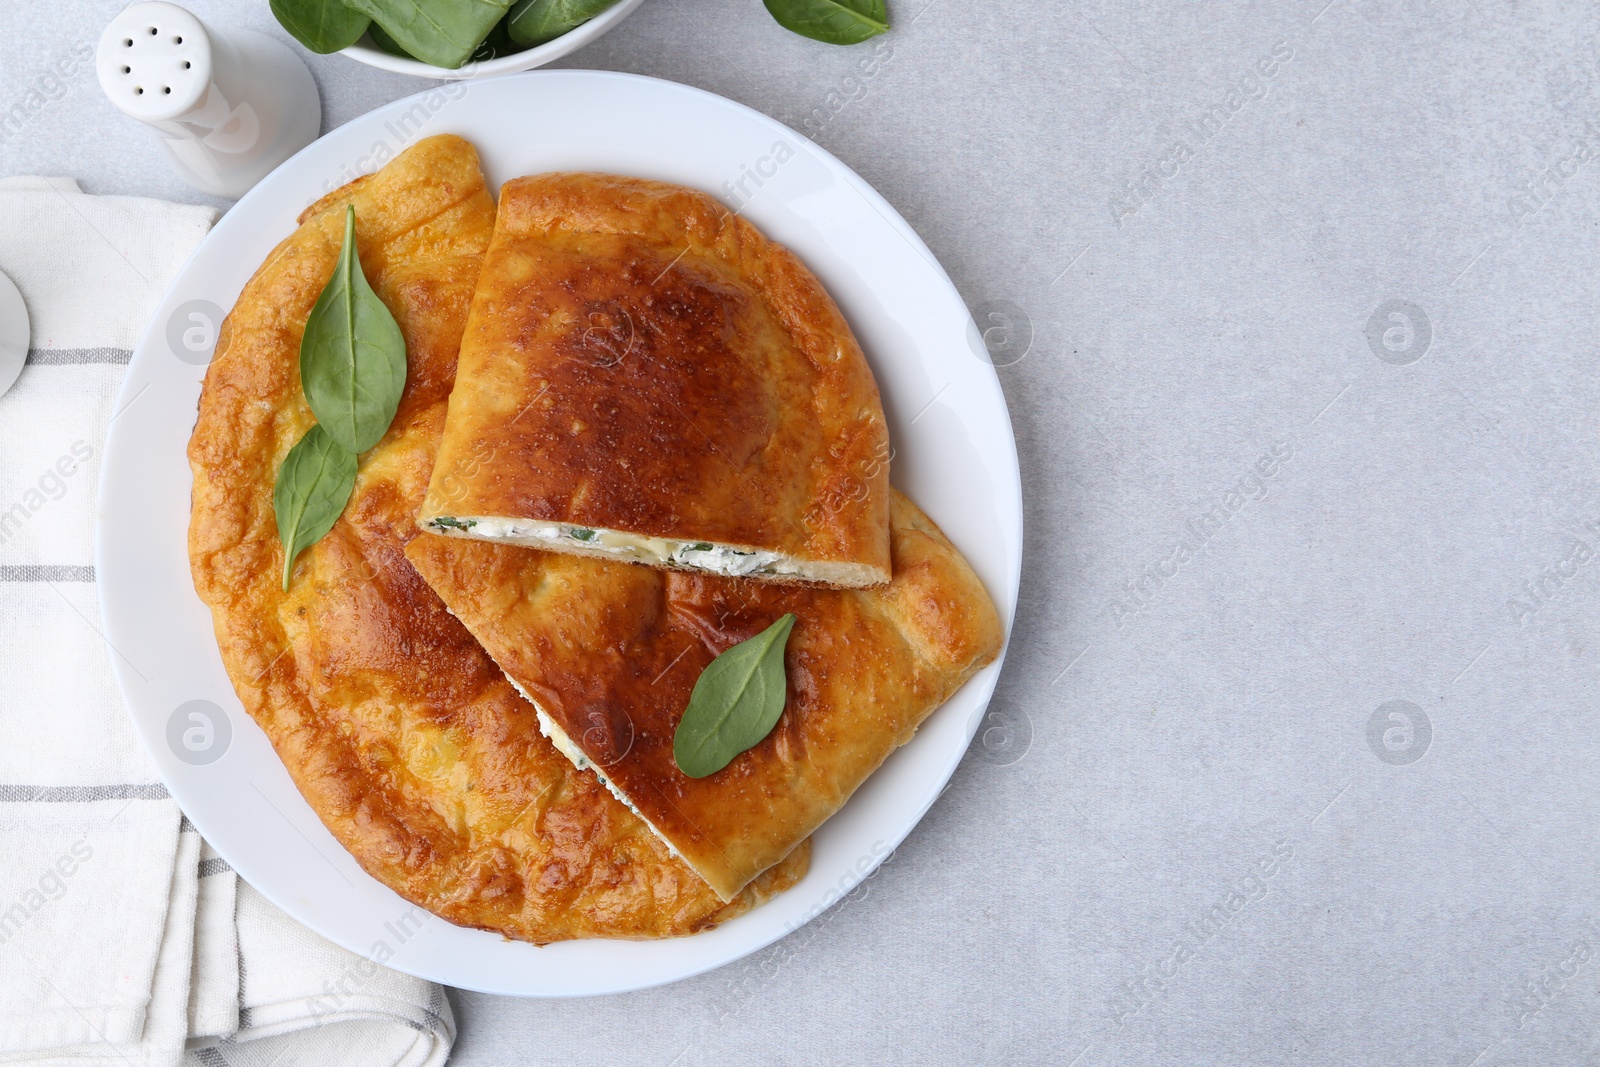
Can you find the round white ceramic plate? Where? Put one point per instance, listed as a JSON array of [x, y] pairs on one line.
[[14, 333], [954, 454], [364, 51]]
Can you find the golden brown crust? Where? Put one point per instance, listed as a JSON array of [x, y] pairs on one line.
[[639, 359], [395, 725], [611, 652]]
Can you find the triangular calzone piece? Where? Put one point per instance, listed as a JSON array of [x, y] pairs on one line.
[[609, 654], [647, 378]]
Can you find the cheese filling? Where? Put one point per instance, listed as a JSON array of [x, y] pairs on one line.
[[695, 555], [564, 745]]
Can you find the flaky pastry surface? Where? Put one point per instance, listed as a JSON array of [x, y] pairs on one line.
[[396, 726], [640, 360], [611, 652]]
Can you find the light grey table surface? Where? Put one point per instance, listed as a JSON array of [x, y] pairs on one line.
[[1262, 503]]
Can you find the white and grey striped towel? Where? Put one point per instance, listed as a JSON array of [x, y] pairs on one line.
[[124, 940]]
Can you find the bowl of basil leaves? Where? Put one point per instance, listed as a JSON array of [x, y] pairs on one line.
[[450, 38], [472, 38]]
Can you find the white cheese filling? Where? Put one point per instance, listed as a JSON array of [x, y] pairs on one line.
[[697, 555], [564, 745]]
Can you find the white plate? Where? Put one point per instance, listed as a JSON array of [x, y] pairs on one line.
[[948, 423], [14, 333], [364, 51]]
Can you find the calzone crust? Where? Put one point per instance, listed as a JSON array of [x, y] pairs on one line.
[[658, 382], [610, 652], [397, 728]]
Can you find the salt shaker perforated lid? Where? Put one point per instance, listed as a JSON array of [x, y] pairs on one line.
[[225, 107]]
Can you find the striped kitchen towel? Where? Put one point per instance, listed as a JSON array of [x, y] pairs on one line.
[[124, 940]]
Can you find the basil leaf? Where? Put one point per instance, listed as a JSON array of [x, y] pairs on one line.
[[353, 356], [831, 21], [321, 25], [313, 486], [736, 702], [384, 43], [444, 33], [497, 44], [534, 22]]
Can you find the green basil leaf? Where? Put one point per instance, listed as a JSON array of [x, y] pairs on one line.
[[832, 21], [444, 33], [384, 43], [736, 702], [498, 43], [313, 486], [353, 356], [534, 22], [321, 25]]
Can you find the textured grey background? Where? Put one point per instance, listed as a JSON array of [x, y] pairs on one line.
[[1177, 842]]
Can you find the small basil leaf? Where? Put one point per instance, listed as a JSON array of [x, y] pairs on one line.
[[313, 486], [583, 535], [353, 356], [321, 25], [831, 21], [736, 702], [533, 22], [444, 33]]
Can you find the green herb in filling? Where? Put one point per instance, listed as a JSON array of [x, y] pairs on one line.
[[445, 522], [583, 535]]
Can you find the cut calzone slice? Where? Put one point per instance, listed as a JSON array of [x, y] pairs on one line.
[[402, 735], [647, 378], [609, 654]]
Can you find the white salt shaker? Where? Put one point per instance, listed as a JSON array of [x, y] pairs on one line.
[[226, 108]]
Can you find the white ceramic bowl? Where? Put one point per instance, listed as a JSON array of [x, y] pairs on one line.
[[365, 52]]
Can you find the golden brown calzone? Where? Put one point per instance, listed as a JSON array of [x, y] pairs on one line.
[[395, 725], [609, 654], [660, 383]]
